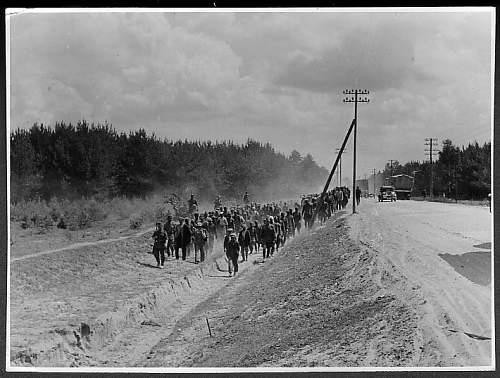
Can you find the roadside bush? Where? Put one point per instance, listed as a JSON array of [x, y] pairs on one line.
[[32, 213], [136, 220], [76, 217], [81, 214], [95, 210]]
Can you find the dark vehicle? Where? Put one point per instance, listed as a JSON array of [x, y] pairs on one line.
[[387, 193], [403, 185]]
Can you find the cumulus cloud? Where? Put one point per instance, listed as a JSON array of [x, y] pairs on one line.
[[276, 77]]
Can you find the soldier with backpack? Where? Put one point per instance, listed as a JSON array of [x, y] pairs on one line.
[[232, 249], [212, 234], [268, 238], [169, 230], [296, 218], [253, 231], [244, 241], [200, 238], [160, 239]]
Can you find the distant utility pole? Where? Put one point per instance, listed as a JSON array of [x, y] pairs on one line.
[[352, 95], [391, 161], [373, 182], [337, 150], [431, 142], [392, 171]]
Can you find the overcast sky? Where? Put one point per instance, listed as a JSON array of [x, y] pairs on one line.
[[274, 77]]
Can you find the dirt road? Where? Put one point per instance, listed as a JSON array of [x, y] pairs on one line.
[[398, 284], [444, 251]]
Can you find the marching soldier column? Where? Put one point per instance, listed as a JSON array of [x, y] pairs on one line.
[[242, 229]]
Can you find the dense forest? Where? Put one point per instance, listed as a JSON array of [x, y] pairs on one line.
[[461, 173], [95, 161]]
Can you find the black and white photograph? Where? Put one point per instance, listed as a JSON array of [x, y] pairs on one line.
[[250, 190]]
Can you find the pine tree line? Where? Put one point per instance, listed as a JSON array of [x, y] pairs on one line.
[[94, 160], [461, 173]]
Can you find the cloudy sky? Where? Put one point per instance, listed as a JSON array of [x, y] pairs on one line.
[[274, 77]]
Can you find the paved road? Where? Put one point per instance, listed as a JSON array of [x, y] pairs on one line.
[[443, 251]]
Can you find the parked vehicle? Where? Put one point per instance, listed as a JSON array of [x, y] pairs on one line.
[[387, 193]]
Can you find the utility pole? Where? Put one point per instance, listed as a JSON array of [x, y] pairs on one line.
[[374, 183], [391, 161], [431, 142], [392, 171], [337, 150], [352, 96]]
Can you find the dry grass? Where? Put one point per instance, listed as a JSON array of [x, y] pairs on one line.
[[83, 213]]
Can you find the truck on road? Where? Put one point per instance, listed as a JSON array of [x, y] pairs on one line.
[[403, 185]]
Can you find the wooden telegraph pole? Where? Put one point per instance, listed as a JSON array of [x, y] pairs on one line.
[[431, 142], [353, 95]]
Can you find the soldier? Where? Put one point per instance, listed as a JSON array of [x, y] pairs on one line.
[[200, 238], [159, 238], [229, 231], [177, 239], [296, 218], [169, 230], [307, 213], [284, 228], [358, 195], [339, 197], [217, 203], [222, 225], [212, 234], [290, 223], [192, 205], [230, 221], [268, 238], [321, 210], [278, 229], [253, 231], [238, 222], [244, 241], [232, 249], [185, 237]]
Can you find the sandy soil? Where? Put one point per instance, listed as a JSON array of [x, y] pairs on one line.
[[398, 284], [317, 303], [27, 242], [444, 251]]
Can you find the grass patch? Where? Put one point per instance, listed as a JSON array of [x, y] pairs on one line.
[[83, 213]]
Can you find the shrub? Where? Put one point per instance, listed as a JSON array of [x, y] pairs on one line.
[[136, 220]]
